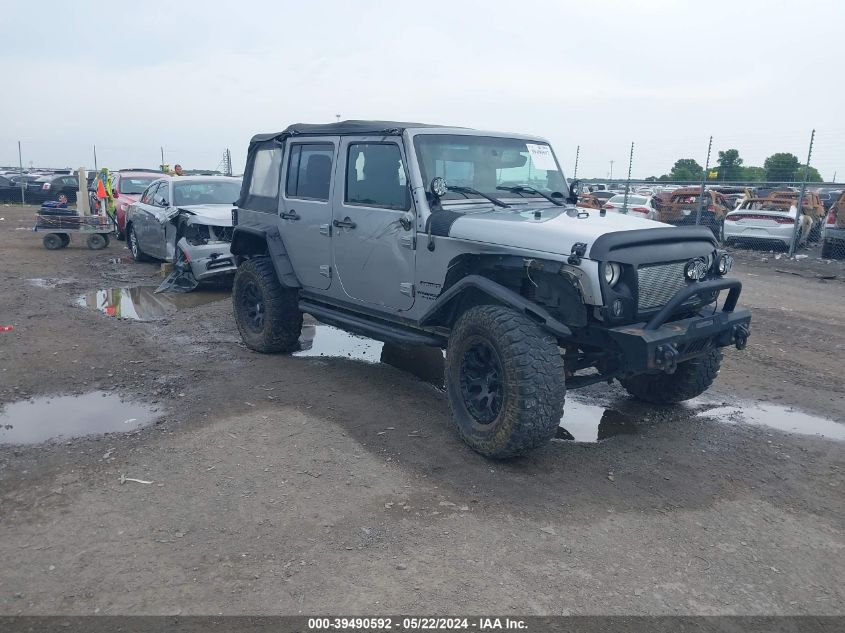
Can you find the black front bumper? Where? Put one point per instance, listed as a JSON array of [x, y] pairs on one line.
[[660, 344]]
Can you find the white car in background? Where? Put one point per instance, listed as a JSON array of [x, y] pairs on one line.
[[637, 206], [759, 221]]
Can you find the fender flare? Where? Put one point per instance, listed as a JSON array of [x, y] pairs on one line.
[[250, 241], [445, 305]]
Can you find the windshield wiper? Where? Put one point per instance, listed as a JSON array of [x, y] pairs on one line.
[[523, 189], [495, 201]]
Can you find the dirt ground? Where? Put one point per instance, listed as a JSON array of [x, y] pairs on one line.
[[289, 485]]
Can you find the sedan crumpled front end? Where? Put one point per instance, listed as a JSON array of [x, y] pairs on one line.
[[206, 249]]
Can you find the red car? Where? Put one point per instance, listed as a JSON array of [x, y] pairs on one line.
[[127, 187]]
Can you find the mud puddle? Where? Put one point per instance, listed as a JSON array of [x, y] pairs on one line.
[[583, 422], [777, 417], [49, 283], [62, 417], [426, 363], [141, 303]]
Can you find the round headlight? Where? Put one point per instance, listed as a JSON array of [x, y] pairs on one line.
[[612, 273], [726, 262]]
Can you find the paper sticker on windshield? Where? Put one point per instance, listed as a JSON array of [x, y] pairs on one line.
[[541, 156]]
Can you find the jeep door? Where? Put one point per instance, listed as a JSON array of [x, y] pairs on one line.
[[305, 212], [373, 229]]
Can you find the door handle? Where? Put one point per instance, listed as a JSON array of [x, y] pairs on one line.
[[289, 215], [346, 223]]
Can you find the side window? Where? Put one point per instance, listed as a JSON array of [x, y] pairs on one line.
[[264, 182], [310, 171], [147, 198], [163, 194], [375, 176]]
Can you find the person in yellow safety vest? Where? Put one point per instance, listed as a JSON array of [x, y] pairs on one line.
[[177, 169]]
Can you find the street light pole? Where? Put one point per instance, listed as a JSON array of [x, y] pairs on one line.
[[611, 170]]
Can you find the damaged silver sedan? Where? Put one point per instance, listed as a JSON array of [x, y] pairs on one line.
[[186, 220]]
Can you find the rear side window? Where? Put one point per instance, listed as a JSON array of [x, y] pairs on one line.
[[147, 198], [265, 173], [375, 176], [310, 171]]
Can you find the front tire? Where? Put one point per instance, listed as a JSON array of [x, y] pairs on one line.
[[134, 246], [692, 378], [504, 379], [267, 314]]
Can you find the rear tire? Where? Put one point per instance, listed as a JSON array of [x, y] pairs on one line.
[[53, 241], [267, 314], [65, 239], [504, 379], [692, 378], [97, 241]]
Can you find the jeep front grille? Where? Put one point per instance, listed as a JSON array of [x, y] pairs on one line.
[[658, 283]]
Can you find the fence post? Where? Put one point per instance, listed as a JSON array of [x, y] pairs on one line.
[[628, 182], [23, 184], [801, 193], [703, 183]]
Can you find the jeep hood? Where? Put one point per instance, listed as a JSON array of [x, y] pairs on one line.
[[556, 229]]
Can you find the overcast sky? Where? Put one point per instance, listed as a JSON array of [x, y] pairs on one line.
[[198, 77]]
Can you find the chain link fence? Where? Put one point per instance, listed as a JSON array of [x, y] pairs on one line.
[[745, 188]]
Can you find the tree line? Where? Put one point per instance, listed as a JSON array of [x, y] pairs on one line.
[[779, 167]]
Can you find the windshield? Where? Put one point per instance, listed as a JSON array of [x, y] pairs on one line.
[[487, 162], [206, 192], [135, 184]]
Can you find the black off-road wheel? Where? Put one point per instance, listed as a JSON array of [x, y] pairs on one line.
[[504, 379], [692, 378], [65, 239], [267, 313]]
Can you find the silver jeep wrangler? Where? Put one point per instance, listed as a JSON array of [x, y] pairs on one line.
[[471, 241]]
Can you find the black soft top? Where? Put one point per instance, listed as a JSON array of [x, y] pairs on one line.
[[342, 128], [277, 139]]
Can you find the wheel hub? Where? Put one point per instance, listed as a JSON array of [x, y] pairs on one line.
[[253, 307], [481, 382]]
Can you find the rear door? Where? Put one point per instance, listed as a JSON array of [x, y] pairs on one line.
[[305, 211], [374, 229]]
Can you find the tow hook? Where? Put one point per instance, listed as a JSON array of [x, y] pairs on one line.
[[666, 358], [740, 336]]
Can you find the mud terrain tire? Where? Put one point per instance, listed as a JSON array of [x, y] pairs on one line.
[[692, 378], [267, 314], [504, 379]]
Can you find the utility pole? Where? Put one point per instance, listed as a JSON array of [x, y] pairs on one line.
[[611, 169], [20, 165], [801, 193], [162, 158], [577, 152], [628, 184], [337, 116], [95, 159], [703, 183]]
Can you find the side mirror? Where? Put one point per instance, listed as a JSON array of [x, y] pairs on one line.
[[573, 192]]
